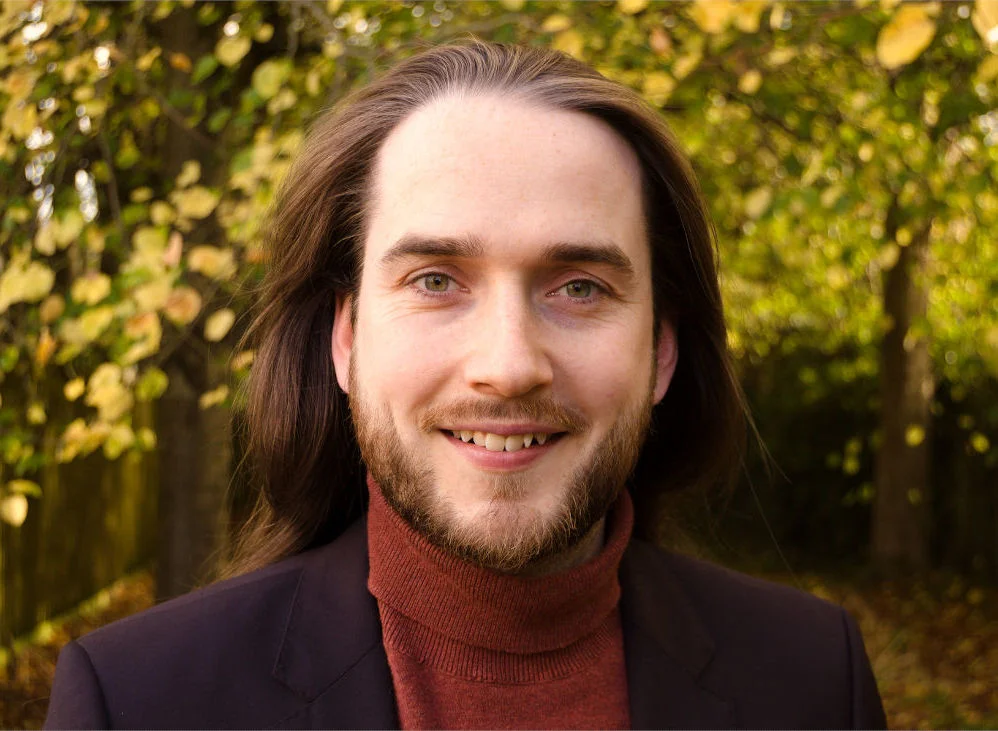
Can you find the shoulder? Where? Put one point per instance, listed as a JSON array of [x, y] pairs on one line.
[[206, 655], [779, 655]]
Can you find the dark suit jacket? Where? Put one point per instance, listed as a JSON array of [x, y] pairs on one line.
[[298, 644]]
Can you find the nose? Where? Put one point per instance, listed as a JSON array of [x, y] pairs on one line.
[[507, 355]]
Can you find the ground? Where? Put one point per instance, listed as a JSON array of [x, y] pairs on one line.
[[933, 643]]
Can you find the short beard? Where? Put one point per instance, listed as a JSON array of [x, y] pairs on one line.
[[510, 537]]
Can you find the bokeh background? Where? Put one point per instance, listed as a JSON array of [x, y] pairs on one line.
[[849, 153]]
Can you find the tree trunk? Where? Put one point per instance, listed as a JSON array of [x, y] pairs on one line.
[[900, 539], [195, 452]]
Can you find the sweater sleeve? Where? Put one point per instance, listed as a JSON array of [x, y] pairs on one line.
[[77, 701], [867, 708]]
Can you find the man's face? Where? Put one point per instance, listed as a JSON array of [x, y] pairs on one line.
[[502, 366]]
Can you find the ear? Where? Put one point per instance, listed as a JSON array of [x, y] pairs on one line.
[[342, 341], [666, 356]]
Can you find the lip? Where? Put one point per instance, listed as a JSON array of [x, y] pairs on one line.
[[506, 430], [483, 459]]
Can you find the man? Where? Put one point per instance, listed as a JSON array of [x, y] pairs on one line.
[[492, 277]]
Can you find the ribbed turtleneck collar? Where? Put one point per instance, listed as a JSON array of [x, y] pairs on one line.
[[487, 609]]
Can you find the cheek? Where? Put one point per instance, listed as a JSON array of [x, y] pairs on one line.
[[608, 377], [401, 364]]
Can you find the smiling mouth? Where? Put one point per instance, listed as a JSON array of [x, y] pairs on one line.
[[503, 443]]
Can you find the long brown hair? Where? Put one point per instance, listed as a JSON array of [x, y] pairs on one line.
[[301, 445]]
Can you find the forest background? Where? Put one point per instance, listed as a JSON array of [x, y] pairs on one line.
[[848, 151]]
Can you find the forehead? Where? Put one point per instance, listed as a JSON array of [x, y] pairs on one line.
[[515, 174]]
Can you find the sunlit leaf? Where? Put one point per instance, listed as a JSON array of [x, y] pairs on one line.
[[631, 7], [195, 202], [218, 324], [269, 76], [183, 305], [985, 20], [14, 509], [903, 39], [212, 261], [230, 51], [73, 389], [91, 288], [914, 435], [213, 397]]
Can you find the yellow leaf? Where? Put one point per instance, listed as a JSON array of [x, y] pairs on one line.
[[24, 487], [903, 39], [712, 16], [74, 389], [657, 86], [750, 81], [190, 173], [118, 440], [162, 213], [555, 23], [212, 261], [285, 99], [70, 227], [512, 5], [985, 20], [757, 202], [269, 76], [87, 327], [218, 324], [141, 195], [914, 435], [264, 33], [631, 7], [747, 13], [979, 442], [152, 295], [196, 202], [145, 61], [230, 51], [45, 348], [146, 329], [51, 308], [242, 360], [45, 237], [14, 509], [180, 61], [183, 305], [36, 414], [106, 393], [685, 64], [569, 41], [213, 397], [19, 119], [24, 282], [779, 56], [91, 288]]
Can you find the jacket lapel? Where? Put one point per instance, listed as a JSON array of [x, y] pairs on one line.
[[332, 656], [666, 648]]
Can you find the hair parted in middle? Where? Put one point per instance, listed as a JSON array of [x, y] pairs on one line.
[[304, 458]]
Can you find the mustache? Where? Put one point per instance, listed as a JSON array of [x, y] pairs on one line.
[[541, 409]]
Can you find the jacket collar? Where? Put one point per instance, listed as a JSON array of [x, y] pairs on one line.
[[332, 655], [666, 647]]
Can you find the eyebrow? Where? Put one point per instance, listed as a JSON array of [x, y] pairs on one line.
[[470, 247]]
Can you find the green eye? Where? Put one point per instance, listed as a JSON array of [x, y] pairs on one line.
[[579, 289], [436, 282]]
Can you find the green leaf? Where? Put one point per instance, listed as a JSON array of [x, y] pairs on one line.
[[204, 68]]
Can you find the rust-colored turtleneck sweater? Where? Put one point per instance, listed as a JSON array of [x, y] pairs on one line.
[[473, 648]]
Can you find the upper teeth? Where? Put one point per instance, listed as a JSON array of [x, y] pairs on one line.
[[498, 442]]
